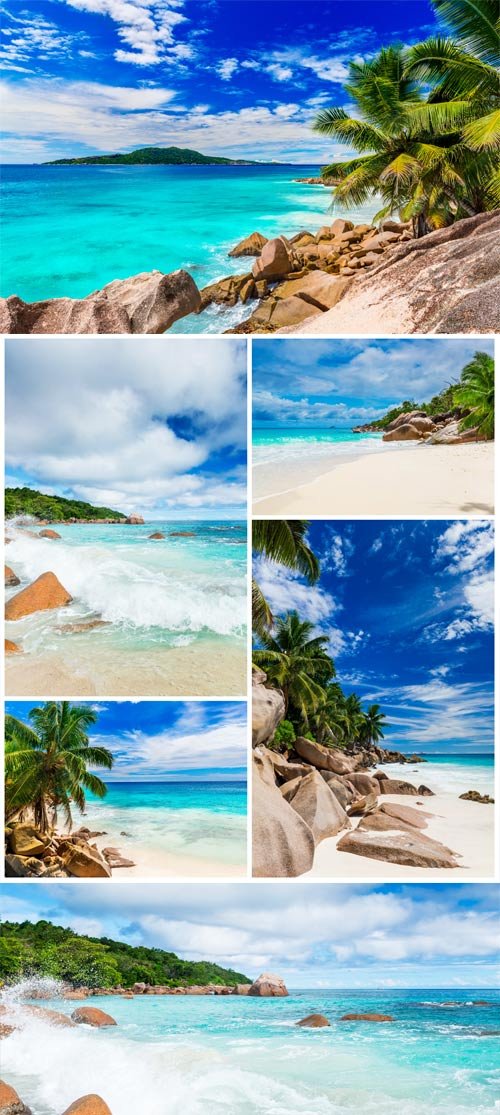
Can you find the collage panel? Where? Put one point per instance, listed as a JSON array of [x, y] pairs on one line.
[[144, 789], [249, 999], [373, 426], [373, 699], [126, 508]]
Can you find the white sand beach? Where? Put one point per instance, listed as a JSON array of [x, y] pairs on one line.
[[155, 863], [202, 669], [440, 480], [466, 827]]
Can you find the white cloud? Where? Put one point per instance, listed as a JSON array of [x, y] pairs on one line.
[[146, 27], [116, 436], [188, 745], [226, 68]]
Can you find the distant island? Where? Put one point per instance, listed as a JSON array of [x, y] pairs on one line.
[[27, 501], [41, 949], [149, 156]]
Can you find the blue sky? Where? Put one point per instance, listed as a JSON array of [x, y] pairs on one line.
[[156, 427], [314, 936], [408, 609], [167, 740], [344, 382], [228, 78]]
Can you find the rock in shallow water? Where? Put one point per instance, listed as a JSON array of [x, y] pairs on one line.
[[45, 593]]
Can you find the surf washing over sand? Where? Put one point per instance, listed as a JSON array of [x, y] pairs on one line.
[[173, 828], [170, 614], [360, 475], [245, 1056]]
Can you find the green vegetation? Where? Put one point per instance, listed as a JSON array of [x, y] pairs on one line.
[[56, 509], [47, 765], [473, 398], [427, 123], [43, 949], [297, 661], [151, 156]]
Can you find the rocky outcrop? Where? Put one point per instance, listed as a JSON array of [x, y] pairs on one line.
[[182, 534], [157, 534], [48, 533], [135, 520], [446, 282], [11, 648], [274, 261], [313, 800], [398, 847], [268, 986], [343, 790], [474, 795], [370, 1016], [397, 786], [11, 578], [283, 844], [268, 709], [363, 783], [147, 303], [250, 246], [283, 769], [323, 758], [42, 595], [26, 840], [91, 1016], [314, 1021], [85, 862], [88, 1105], [405, 813], [10, 1103]]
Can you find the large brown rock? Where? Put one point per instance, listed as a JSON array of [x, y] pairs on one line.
[[340, 788], [250, 246], [11, 578], [88, 1105], [446, 282], [279, 313], [314, 1021], [451, 434], [147, 303], [228, 290], [283, 844], [135, 520], [274, 261], [363, 783], [397, 786], [405, 813], [268, 709], [370, 1016], [26, 840], [48, 533], [53, 1017], [10, 1104], [407, 417], [398, 847], [323, 758], [86, 863], [11, 648], [316, 288], [43, 594], [283, 768], [405, 432], [92, 1016], [268, 986], [157, 534], [313, 800]]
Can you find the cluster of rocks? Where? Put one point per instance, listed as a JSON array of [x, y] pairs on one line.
[[31, 853], [319, 1021], [298, 278], [474, 795], [440, 429], [11, 1104], [318, 792], [267, 985]]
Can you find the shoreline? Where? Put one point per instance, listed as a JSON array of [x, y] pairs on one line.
[[445, 481]]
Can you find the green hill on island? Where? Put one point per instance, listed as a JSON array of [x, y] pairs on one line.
[[56, 509], [148, 156], [42, 949]]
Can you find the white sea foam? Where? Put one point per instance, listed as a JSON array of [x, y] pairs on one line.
[[128, 587]]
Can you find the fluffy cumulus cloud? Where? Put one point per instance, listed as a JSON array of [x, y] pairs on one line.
[[342, 936], [160, 425], [146, 28], [465, 550], [269, 406]]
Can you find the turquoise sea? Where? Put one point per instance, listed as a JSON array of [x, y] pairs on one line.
[[67, 231], [240, 1056], [150, 593], [203, 820], [448, 774], [270, 443]]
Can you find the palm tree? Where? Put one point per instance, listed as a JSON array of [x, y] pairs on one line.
[[46, 764], [374, 723], [476, 391], [291, 657], [413, 169], [329, 720], [284, 542]]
